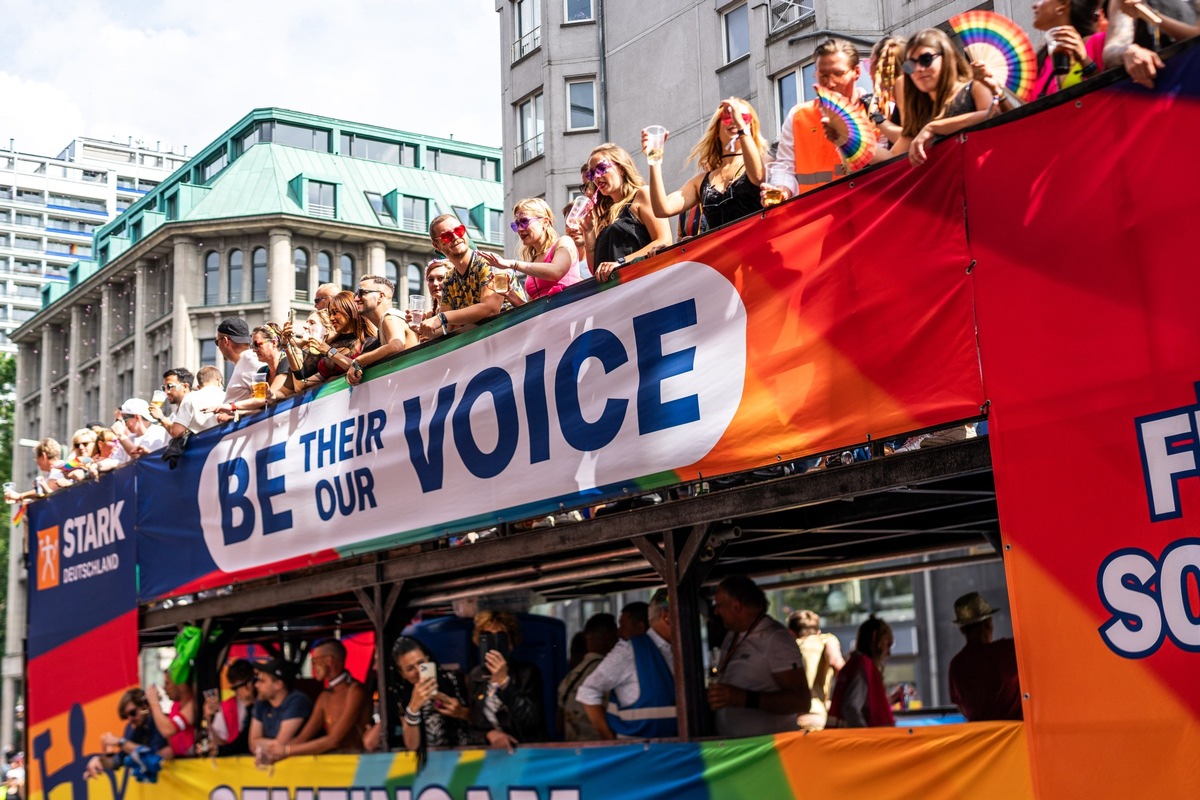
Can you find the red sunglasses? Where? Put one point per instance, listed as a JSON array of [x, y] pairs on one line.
[[455, 233]]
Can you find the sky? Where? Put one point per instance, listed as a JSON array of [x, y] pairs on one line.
[[183, 71]]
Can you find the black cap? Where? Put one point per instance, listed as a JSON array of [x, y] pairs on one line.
[[275, 668], [236, 329]]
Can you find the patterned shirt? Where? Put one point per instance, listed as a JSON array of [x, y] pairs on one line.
[[466, 289]]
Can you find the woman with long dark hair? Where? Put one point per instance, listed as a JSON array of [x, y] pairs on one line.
[[1073, 49], [860, 700], [432, 706], [939, 96]]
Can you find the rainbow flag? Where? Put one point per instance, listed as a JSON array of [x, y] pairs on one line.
[[75, 462], [18, 515]]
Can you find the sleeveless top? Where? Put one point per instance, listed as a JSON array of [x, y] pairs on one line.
[[740, 199], [624, 236], [963, 103], [540, 287]]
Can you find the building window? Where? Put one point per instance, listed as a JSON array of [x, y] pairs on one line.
[[529, 129], [783, 13], [211, 168], [415, 276], [296, 136], [346, 277], [577, 10], [581, 100], [258, 275], [414, 213], [380, 207], [321, 199], [495, 225], [391, 271], [527, 15], [235, 276], [785, 90], [172, 206], [212, 278], [300, 262], [377, 150], [464, 166], [346, 264], [737, 32], [208, 352], [324, 268]]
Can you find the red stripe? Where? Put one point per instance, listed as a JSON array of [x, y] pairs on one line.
[[87, 667]]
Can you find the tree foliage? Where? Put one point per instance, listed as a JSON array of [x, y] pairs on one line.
[[8, 404]]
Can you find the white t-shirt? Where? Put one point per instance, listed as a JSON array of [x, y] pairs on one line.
[[241, 382], [191, 414], [618, 673], [155, 438], [766, 649]]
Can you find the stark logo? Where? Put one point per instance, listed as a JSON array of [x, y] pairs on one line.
[[47, 558]]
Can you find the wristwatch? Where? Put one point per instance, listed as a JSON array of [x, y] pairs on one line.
[[331, 352], [878, 117]]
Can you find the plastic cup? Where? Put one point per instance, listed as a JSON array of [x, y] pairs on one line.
[[417, 304], [777, 176], [656, 137], [579, 209], [9, 488], [501, 280], [158, 398]]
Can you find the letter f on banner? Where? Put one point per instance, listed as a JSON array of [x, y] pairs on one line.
[[1168, 442]]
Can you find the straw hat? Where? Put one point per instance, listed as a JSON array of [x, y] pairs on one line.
[[972, 608]]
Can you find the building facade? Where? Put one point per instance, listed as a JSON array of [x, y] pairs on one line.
[[251, 226], [576, 73], [50, 206]]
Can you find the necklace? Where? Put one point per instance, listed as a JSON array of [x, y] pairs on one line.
[[729, 155]]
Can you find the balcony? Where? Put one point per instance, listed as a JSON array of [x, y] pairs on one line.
[[785, 13], [529, 149], [527, 44]]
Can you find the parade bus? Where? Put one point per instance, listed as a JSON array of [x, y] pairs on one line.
[[1033, 275]]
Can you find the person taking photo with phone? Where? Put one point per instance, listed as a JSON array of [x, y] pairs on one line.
[[506, 695], [433, 701]]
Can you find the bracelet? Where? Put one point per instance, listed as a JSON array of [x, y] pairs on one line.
[[445, 322], [354, 365], [286, 751], [1089, 68], [752, 699]]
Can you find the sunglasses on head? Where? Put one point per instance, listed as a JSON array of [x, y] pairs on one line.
[[449, 236], [595, 172], [522, 224], [924, 61]]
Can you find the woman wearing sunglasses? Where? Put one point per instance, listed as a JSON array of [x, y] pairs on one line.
[[622, 225], [730, 158], [84, 455], [546, 258], [939, 97], [349, 335]]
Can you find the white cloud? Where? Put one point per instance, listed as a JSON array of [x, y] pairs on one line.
[[182, 72]]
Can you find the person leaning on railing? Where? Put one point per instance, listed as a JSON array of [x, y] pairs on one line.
[[1133, 34], [940, 96], [468, 296], [547, 259], [622, 225], [350, 333]]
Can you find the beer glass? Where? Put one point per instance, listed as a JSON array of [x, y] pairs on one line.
[[656, 137]]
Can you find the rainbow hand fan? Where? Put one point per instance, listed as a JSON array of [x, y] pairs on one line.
[[1001, 46], [856, 135]]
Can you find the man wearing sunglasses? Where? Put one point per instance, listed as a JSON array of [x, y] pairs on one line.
[[374, 297], [136, 432], [803, 137], [467, 295], [176, 384], [140, 731], [229, 721]]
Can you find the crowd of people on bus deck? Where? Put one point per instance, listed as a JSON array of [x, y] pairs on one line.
[[924, 87], [765, 678]]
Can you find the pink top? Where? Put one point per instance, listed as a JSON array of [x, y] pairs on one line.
[[540, 287], [1045, 83]]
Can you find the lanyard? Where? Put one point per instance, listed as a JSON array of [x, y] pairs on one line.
[[737, 643]]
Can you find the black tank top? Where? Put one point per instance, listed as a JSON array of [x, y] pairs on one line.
[[740, 199], [624, 236]]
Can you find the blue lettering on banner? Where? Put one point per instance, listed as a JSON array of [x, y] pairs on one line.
[[343, 492], [654, 367], [498, 383], [427, 459], [233, 498], [269, 487], [535, 407], [604, 346]]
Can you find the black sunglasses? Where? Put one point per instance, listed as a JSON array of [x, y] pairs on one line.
[[925, 61]]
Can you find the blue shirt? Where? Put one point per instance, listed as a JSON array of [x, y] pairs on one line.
[[295, 706]]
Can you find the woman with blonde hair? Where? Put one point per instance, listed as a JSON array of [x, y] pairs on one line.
[[547, 257], [730, 158], [622, 224], [939, 95]]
